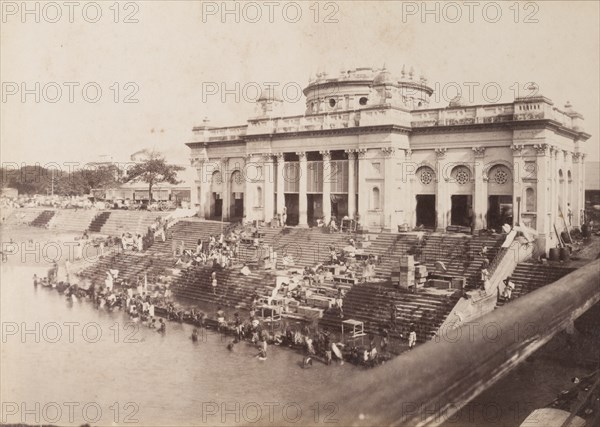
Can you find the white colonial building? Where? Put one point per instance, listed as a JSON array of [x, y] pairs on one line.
[[369, 145]]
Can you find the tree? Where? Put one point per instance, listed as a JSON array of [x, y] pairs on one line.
[[154, 169], [99, 177]]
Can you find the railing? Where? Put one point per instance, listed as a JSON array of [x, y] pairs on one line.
[[434, 381]]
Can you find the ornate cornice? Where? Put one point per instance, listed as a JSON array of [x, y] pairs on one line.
[[388, 151], [351, 154], [479, 151], [542, 149], [517, 149], [326, 154], [440, 153], [267, 157]]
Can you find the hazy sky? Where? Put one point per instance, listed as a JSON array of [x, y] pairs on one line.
[[175, 50]]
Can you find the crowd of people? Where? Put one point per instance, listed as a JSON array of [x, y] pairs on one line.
[[219, 251]]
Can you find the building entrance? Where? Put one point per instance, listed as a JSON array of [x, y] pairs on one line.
[[292, 208], [426, 215], [461, 213], [314, 208], [217, 206], [237, 207], [500, 212]]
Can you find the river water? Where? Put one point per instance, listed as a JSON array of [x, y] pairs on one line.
[[68, 364]]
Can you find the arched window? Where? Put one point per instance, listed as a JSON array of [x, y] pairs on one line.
[[217, 178], [499, 175], [426, 175], [237, 182], [375, 201], [530, 201], [461, 175]]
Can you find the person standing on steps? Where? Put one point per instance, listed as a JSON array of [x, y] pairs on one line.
[[284, 216], [214, 282], [412, 338]]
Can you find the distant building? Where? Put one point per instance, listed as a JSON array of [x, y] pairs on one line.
[[369, 144], [10, 192], [592, 187], [138, 192]]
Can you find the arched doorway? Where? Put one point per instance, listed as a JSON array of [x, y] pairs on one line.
[[216, 190], [425, 195], [236, 209], [500, 197]]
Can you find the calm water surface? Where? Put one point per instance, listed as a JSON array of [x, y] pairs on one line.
[[126, 373]]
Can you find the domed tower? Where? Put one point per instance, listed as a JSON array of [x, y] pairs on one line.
[[366, 87], [269, 103], [414, 90]]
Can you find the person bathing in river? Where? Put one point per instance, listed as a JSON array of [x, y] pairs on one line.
[[162, 327], [195, 335]]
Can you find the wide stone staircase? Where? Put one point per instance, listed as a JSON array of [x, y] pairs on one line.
[[119, 222], [233, 289], [99, 221], [460, 254], [528, 277], [22, 216], [73, 220], [306, 246], [388, 248], [42, 219], [371, 303], [189, 231]]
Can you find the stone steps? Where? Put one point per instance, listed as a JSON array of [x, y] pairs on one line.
[[528, 277], [42, 219]]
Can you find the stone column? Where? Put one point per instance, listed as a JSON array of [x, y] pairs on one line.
[[351, 183], [480, 188], [554, 173], [268, 172], [441, 204], [394, 211], [302, 200], [200, 184], [226, 188], [575, 201], [517, 170], [208, 168], [249, 177], [327, 173], [566, 193], [407, 180], [363, 191], [280, 183], [543, 216]]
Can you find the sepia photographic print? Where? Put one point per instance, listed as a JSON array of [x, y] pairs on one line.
[[300, 213]]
